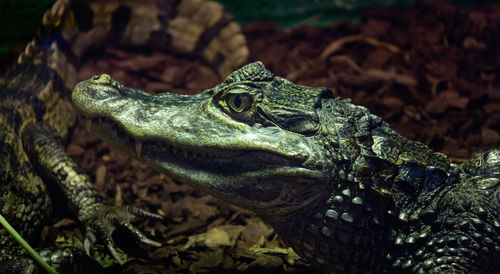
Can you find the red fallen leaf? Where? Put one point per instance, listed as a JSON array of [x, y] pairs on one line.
[[86, 71], [63, 223], [201, 78], [74, 150], [378, 58], [338, 44], [471, 42], [118, 196], [119, 53], [141, 62], [253, 232], [492, 107], [478, 19], [489, 136], [119, 75], [155, 87], [392, 76], [392, 102], [374, 27], [412, 112], [446, 99], [172, 74], [100, 177]]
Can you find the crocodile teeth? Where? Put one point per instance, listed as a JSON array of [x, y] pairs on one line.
[[88, 123], [138, 148]]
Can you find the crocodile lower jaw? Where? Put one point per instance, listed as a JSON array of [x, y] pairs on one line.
[[229, 175], [161, 152]]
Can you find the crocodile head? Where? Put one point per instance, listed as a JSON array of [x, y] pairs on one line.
[[253, 140]]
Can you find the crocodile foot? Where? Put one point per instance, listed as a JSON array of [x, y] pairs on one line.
[[62, 259], [103, 219]]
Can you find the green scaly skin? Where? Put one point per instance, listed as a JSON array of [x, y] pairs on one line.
[[36, 114], [338, 184]]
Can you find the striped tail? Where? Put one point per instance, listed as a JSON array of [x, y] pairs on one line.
[[47, 69]]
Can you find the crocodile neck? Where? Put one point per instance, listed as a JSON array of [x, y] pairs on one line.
[[340, 233], [363, 222], [353, 229]]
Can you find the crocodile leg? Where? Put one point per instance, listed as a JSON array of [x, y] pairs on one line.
[[28, 200], [48, 155], [35, 110], [62, 259]]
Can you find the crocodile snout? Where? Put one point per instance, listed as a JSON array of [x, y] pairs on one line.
[[103, 79]]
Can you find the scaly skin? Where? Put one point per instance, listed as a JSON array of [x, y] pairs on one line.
[[36, 115], [342, 188]]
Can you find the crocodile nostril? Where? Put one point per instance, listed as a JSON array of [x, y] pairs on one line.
[[103, 79]]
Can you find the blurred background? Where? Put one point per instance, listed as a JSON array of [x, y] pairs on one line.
[[20, 18]]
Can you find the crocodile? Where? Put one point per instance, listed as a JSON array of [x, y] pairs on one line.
[[340, 187], [36, 114]]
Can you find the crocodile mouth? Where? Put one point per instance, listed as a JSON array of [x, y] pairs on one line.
[[159, 152]]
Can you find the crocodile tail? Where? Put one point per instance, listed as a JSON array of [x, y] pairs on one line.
[[48, 66], [195, 27]]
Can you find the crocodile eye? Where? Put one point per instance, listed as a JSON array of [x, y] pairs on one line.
[[238, 102]]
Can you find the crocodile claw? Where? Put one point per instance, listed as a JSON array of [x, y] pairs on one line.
[[102, 220]]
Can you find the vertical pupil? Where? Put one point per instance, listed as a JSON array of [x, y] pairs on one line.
[[237, 101]]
